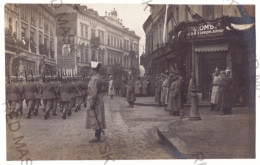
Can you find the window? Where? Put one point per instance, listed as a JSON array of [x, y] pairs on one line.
[[82, 30], [40, 38], [120, 44], [101, 36], [93, 33], [10, 25], [82, 54], [86, 31], [208, 12], [114, 42], [102, 58], [86, 55], [93, 55], [32, 35], [99, 56], [108, 40]]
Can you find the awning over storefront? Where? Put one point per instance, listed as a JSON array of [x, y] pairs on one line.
[[212, 48]]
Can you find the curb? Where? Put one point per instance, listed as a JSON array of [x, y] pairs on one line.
[[176, 153]]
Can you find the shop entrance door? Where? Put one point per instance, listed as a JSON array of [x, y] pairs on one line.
[[209, 61]]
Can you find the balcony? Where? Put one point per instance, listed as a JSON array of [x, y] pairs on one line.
[[11, 39]]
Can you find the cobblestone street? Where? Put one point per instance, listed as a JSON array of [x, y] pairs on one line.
[[130, 134]]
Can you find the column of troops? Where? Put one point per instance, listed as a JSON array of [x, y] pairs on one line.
[[49, 92]]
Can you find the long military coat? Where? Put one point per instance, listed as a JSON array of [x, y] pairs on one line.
[[158, 88], [95, 118], [174, 102], [130, 90]]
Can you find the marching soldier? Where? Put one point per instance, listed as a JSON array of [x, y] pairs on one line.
[[48, 95], [20, 102], [29, 90], [81, 94], [73, 93], [95, 108], [14, 96], [56, 85], [38, 96], [65, 97], [174, 100]]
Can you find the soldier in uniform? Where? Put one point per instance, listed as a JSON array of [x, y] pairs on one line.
[[130, 90], [95, 108], [158, 88], [37, 96], [81, 93], [14, 96], [56, 84], [65, 97], [29, 90], [174, 100], [48, 95], [215, 90], [73, 94]]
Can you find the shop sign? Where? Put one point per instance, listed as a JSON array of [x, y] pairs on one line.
[[205, 29]]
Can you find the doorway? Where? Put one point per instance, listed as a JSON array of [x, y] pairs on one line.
[[208, 64]]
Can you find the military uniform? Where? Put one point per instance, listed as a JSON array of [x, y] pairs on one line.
[[81, 94], [29, 89], [48, 95], [65, 98], [37, 97], [14, 96], [56, 85]]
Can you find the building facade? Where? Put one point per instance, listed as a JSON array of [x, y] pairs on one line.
[[198, 39], [96, 38], [30, 39]]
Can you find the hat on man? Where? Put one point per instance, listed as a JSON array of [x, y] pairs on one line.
[[95, 65], [216, 68], [227, 70]]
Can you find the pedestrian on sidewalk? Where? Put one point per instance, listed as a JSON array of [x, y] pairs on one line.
[[130, 91], [95, 118], [226, 97], [174, 103], [138, 86], [158, 89], [164, 90], [215, 90], [111, 87]]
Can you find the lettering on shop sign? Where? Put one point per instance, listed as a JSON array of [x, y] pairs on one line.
[[205, 29]]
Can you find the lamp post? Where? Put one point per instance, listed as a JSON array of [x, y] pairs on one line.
[[194, 111]]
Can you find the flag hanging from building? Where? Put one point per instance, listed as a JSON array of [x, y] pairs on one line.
[[164, 26]]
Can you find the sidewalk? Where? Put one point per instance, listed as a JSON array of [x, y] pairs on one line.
[[214, 136]]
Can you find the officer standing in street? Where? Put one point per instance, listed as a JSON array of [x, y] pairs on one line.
[[95, 108], [48, 95], [29, 90]]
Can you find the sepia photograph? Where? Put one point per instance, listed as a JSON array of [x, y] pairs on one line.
[[129, 81]]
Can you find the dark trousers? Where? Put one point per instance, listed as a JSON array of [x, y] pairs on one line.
[[98, 133]]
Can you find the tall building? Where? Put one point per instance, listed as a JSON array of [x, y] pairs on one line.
[[30, 39], [94, 38], [199, 38]]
